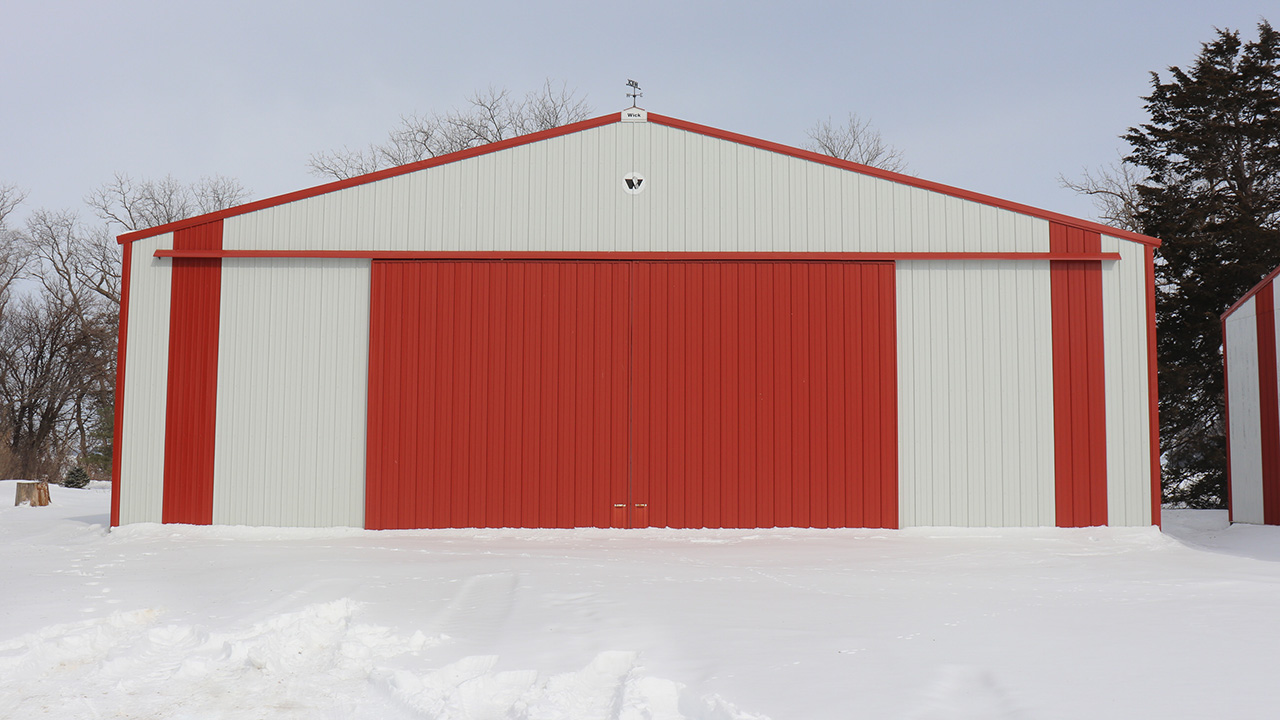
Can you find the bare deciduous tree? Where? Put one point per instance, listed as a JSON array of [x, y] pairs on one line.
[[11, 196], [46, 354], [492, 115], [1114, 189], [70, 261], [13, 260], [59, 405], [855, 141], [137, 204]]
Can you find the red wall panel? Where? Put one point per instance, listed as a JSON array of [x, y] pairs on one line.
[[1079, 381], [1268, 403], [497, 394], [191, 405], [765, 394]]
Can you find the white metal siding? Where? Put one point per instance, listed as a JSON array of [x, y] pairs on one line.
[[146, 366], [1128, 413], [1245, 419], [975, 393], [702, 194], [292, 384]]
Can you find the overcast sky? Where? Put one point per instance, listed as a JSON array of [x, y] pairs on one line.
[[995, 97]]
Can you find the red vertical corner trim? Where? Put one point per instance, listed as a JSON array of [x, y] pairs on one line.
[[1268, 404], [191, 405], [117, 421], [1079, 391], [1153, 387]]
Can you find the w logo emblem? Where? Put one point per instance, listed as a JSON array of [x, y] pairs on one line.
[[634, 182]]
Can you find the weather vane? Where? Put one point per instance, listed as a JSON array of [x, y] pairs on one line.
[[635, 91]]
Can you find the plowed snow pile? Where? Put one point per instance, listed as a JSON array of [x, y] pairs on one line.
[[152, 621]]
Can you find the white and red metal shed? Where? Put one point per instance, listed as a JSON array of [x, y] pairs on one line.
[[636, 321], [1253, 405]]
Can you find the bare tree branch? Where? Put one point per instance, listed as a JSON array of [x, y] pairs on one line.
[[11, 196], [855, 141], [76, 267], [139, 204], [492, 115], [1114, 189], [211, 194], [13, 260]]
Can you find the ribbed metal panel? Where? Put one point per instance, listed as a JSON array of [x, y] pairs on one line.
[[1269, 402], [497, 394], [1244, 407], [764, 395], [975, 399], [702, 194], [292, 379], [1079, 381], [146, 379], [193, 378], [1128, 435]]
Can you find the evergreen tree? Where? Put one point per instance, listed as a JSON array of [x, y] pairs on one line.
[[76, 478], [1211, 154]]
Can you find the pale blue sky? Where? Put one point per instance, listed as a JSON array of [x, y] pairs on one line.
[[995, 97]]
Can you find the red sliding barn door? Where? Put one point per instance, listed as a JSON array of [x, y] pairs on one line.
[[497, 394], [765, 394], [629, 394]]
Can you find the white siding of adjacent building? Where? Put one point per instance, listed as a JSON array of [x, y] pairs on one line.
[[292, 384], [975, 393], [146, 365], [1245, 413]]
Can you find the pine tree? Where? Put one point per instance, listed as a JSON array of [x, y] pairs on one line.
[[76, 478], [1211, 153]]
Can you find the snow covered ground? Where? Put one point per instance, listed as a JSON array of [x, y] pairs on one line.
[[153, 621]]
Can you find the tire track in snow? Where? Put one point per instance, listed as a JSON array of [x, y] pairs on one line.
[[318, 663], [479, 609]]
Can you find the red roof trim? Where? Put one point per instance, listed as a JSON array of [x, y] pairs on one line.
[[1252, 291], [905, 180], [659, 256], [660, 120]]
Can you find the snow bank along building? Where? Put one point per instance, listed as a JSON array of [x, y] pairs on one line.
[[1253, 405], [636, 321]]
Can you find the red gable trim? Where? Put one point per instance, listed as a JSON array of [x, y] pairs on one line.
[[660, 120], [1252, 291]]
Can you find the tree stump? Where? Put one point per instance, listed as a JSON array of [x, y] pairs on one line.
[[35, 494]]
